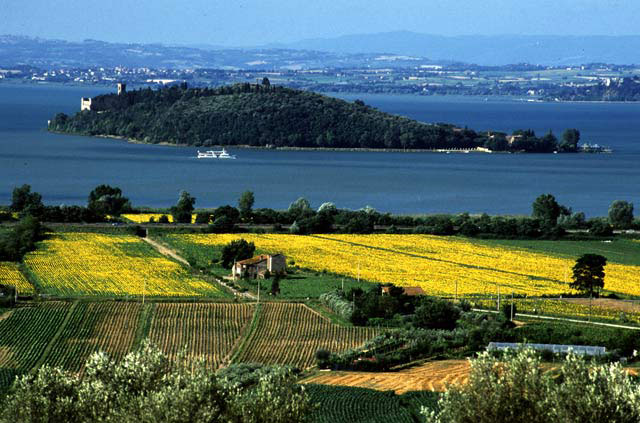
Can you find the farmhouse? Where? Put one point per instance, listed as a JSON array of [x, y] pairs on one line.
[[412, 291], [257, 266]]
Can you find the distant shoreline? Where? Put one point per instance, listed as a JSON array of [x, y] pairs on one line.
[[352, 150]]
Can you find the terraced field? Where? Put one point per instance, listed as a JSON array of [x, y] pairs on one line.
[[288, 333], [107, 265], [433, 376], [440, 265], [206, 330], [10, 275]]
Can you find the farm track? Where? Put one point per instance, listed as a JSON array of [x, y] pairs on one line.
[[433, 376]]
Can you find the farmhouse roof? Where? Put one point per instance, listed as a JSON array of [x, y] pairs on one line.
[[257, 259]]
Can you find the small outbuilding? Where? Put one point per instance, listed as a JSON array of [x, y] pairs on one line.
[[411, 291], [256, 267]]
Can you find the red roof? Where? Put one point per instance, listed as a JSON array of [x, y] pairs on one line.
[[408, 290]]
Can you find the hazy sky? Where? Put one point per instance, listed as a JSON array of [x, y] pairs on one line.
[[255, 22]]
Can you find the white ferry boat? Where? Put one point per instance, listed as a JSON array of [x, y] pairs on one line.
[[212, 154]]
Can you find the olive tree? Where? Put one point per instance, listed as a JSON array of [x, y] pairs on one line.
[[516, 389], [147, 387]]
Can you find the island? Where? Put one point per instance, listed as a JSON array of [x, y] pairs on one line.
[[265, 115]]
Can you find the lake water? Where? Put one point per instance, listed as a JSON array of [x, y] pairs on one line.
[[65, 168]]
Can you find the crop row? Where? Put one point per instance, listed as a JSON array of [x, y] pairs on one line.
[[440, 265], [70, 264], [209, 331], [337, 404], [11, 275], [291, 334], [92, 327], [25, 334]]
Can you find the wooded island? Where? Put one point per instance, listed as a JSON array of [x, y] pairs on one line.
[[263, 115]]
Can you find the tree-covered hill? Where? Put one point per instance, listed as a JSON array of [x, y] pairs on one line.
[[263, 115], [257, 115]]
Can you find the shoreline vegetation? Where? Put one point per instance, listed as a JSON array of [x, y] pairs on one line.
[[274, 117]]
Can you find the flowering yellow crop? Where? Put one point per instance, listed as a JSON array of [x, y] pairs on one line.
[[431, 262], [111, 265], [564, 308], [145, 217], [11, 275]]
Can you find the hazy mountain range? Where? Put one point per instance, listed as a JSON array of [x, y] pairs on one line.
[[394, 49]]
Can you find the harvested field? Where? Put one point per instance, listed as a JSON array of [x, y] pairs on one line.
[[433, 376]]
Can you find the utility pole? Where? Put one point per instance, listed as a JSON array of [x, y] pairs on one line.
[[258, 290], [144, 288], [512, 306], [498, 297], [343, 285]]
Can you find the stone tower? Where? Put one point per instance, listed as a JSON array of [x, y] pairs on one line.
[[122, 88]]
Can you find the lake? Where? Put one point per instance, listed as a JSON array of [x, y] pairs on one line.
[[65, 168]]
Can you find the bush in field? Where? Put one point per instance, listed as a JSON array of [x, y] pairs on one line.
[[235, 251], [517, 389], [146, 387], [163, 219]]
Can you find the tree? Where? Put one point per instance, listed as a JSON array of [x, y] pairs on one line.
[[146, 387], [275, 284], [436, 313], [546, 209], [25, 202], [570, 139], [588, 274], [236, 250], [203, 218], [105, 199], [245, 205], [621, 214], [184, 208], [300, 208], [517, 389]]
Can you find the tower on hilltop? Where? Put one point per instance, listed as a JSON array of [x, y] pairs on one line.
[[122, 88]]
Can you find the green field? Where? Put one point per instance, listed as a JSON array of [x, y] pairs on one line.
[[340, 404], [299, 283], [622, 251]]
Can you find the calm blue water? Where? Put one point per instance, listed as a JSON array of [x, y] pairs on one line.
[[65, 168]]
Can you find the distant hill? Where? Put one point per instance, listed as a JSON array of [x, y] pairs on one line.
[[487, 50], [43, 53], [256, 115]]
